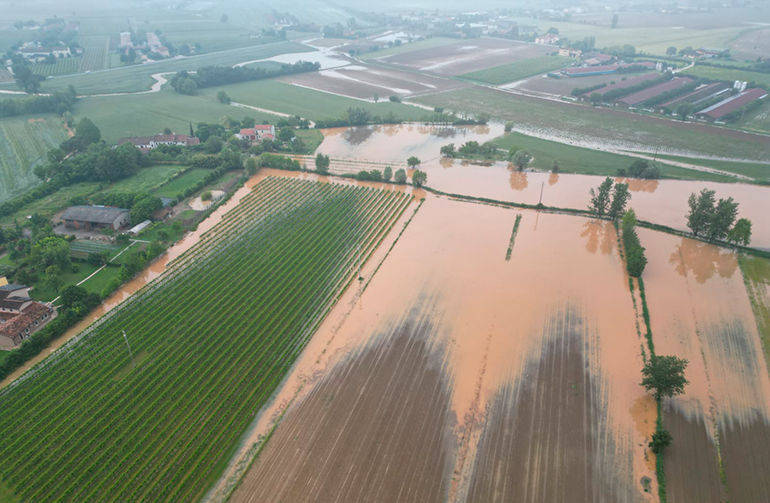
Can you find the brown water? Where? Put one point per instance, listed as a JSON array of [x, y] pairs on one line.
[[660, 201], [473, 325], [699, 310]]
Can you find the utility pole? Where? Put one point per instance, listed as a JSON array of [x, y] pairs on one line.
[[125, 338], [542, 186]]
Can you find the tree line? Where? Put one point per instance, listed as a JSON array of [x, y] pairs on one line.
[[209, 76], [58, 103]]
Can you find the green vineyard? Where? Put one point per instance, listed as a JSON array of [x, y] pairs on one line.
[[155, 415]]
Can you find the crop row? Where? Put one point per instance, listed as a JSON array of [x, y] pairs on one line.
[[210, 342]]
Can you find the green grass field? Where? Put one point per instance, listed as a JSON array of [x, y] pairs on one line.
[[136, 78], [146, 180], [176, 186], [147, 114], [652, 39], [413, 46], [601, 125], [24, 142], [518, 70], [759, 171], [99, 424], [757, 120], [729, 74], [273, 95], [585, 161]]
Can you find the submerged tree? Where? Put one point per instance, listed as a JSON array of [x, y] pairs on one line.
[[740, 234], [413, 162], [521, 159], [400, 176], [620, 197], [701, 211], [387, 173], [419, 178], [600, 197], [322, 163], [664, 376]]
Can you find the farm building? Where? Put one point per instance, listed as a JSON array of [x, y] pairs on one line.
[[587, 71], [547, 39], [20, 316], [147, 143], [257, 133], [648, 93], [733, 103], [95, 217]]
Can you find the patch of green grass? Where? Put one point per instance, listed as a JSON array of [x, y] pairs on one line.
[[315, 105], [146, 179], [99, 282], [311, 137], [756, 170], [176, 186], [518, 70], [428, 43], [586, 161], [43, 292], [24, 141], [729, 74], [135, 78], [599, 125], [757, 120], [148, 114]]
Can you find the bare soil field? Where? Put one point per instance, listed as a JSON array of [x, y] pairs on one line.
[[422, 388], [466, 56], [365, 82], [700, 310]]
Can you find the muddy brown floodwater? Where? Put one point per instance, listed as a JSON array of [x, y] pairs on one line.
[[459, 375], [660, 201], [700, 310]]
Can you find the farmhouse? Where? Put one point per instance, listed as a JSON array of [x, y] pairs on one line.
[[34, 51], [95, 217], [20, 316], [147, 143], [257, 133], [547, 39]]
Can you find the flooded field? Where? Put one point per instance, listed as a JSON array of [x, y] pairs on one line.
[[365, 82], [425, 385], [466, 55], [700, 310], [660, 201]]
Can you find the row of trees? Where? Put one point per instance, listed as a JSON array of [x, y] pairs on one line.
[[209, 76], [58, 103], [609, 199]]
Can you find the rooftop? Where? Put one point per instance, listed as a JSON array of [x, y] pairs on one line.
[[94, 214]]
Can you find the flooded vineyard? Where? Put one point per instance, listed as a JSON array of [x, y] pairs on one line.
[[659, 201], [425, 386]]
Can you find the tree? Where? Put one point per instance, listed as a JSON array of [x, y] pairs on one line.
[[660, 440], [508, 127], [251, 166], [223, 97], [600, 197], [53, 277], [664, 376], [521, 159], [448, 150], [387, 173], [322, 163], [741, 232], [50, 250], [25, 79], [419, 178], [400, 176], [723, 218], [620, 197], [86, 133], [212, 145], [614, 21], [671, 51], [633, 250], [701, 211], [413, 162], [358, 116], [144, 207], [555, 167]]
